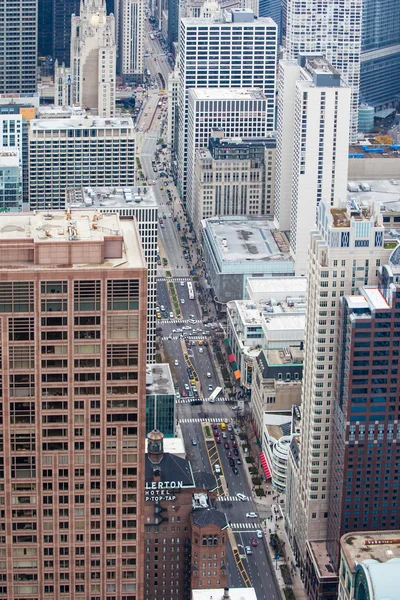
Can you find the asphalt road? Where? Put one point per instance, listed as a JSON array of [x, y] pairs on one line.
[[257, 564]]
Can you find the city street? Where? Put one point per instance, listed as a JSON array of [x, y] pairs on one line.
[[188, 334]]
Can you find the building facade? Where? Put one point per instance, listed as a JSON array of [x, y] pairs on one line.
[[233, 176], [93, 58], [73, 298], [248, 60], [45, 27], [186, 537], [229, 262], [346, 251], [363, 416], [130, 203], [63, 85], [380, 53], [101, 152], [62, 13], [10, 181], [234, 113], [333, 29], [315, 151], [130, 39], [18, 43]]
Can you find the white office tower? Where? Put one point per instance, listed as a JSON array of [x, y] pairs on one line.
[[331, 28], [172, 91], [312, 147], [238, 113], [232, 50], [78, 151], [130, 35], [93, 58], [346, 249]]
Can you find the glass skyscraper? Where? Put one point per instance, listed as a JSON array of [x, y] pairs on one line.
[[380, 53]]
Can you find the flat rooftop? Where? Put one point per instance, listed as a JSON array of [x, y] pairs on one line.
[[276, 287], [159, 380], [322, 559], [243, 239], [218, 593], [61, 227], [82, 122], [221, 21], [289, 356], [387, 151], [375, 298], [50, 110], [286, 323], [105, 198], [377, 545], [226, 94], [385, 191]]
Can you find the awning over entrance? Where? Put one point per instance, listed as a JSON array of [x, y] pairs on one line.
[[231, 358], [226, 342], [265, 465], [237, 374], [234, 365]]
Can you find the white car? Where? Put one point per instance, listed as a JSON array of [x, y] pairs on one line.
[[177, 395], [182, 284], [217, 469], [182, 301], [192, 321], [176, 363], [209, 375], [187, 387], [201, 350], [171, 315], [258, 532], [248, 550], [251, 515], [242, 497]]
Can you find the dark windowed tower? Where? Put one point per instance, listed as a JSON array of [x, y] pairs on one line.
[[18, 46], [62, 12]]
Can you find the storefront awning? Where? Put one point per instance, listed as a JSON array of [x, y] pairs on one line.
[[234, 365], [265, 466], [226, 342], [236, 374], [231, 358]]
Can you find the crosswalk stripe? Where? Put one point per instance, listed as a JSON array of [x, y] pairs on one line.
[[191, 337], [201, 420], [245, 525], [228, 499]]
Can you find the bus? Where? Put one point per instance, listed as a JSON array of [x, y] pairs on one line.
[[215, 394], [190, 290]]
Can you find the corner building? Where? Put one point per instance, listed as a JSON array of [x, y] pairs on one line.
[[73, 297]]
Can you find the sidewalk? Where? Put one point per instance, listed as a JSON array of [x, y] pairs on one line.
[[271, 510]]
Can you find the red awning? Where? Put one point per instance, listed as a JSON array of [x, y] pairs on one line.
[[231, 358], [265, 465]]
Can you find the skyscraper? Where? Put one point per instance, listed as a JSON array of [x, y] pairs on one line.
[[380, 53], [331, 28], [73, 303], [93, 58], [130, 39], [45, 27], [18, 46], [346, 251], [312, 147], [62, 13], [233, 50], [364, 492]]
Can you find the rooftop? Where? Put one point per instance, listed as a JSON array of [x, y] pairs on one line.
[[263, 290], [226, 94], [322, 560], [224, 19], [386, 191], [159, 380], [384, 152], [217, 594], [245, 239], [170, 468], [111, 197], [378, 545], [202, 517], [288, 356], [86, 122], [173, 445], [74, 227], [50, 111], [375, 298]]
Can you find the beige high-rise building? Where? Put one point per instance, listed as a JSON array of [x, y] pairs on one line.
[[346, 251], [93, 58], [73, 297]]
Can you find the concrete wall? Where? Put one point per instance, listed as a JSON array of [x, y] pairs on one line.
[[374, 168]]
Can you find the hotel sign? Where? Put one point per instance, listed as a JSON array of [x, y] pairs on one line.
[[156, 491]]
